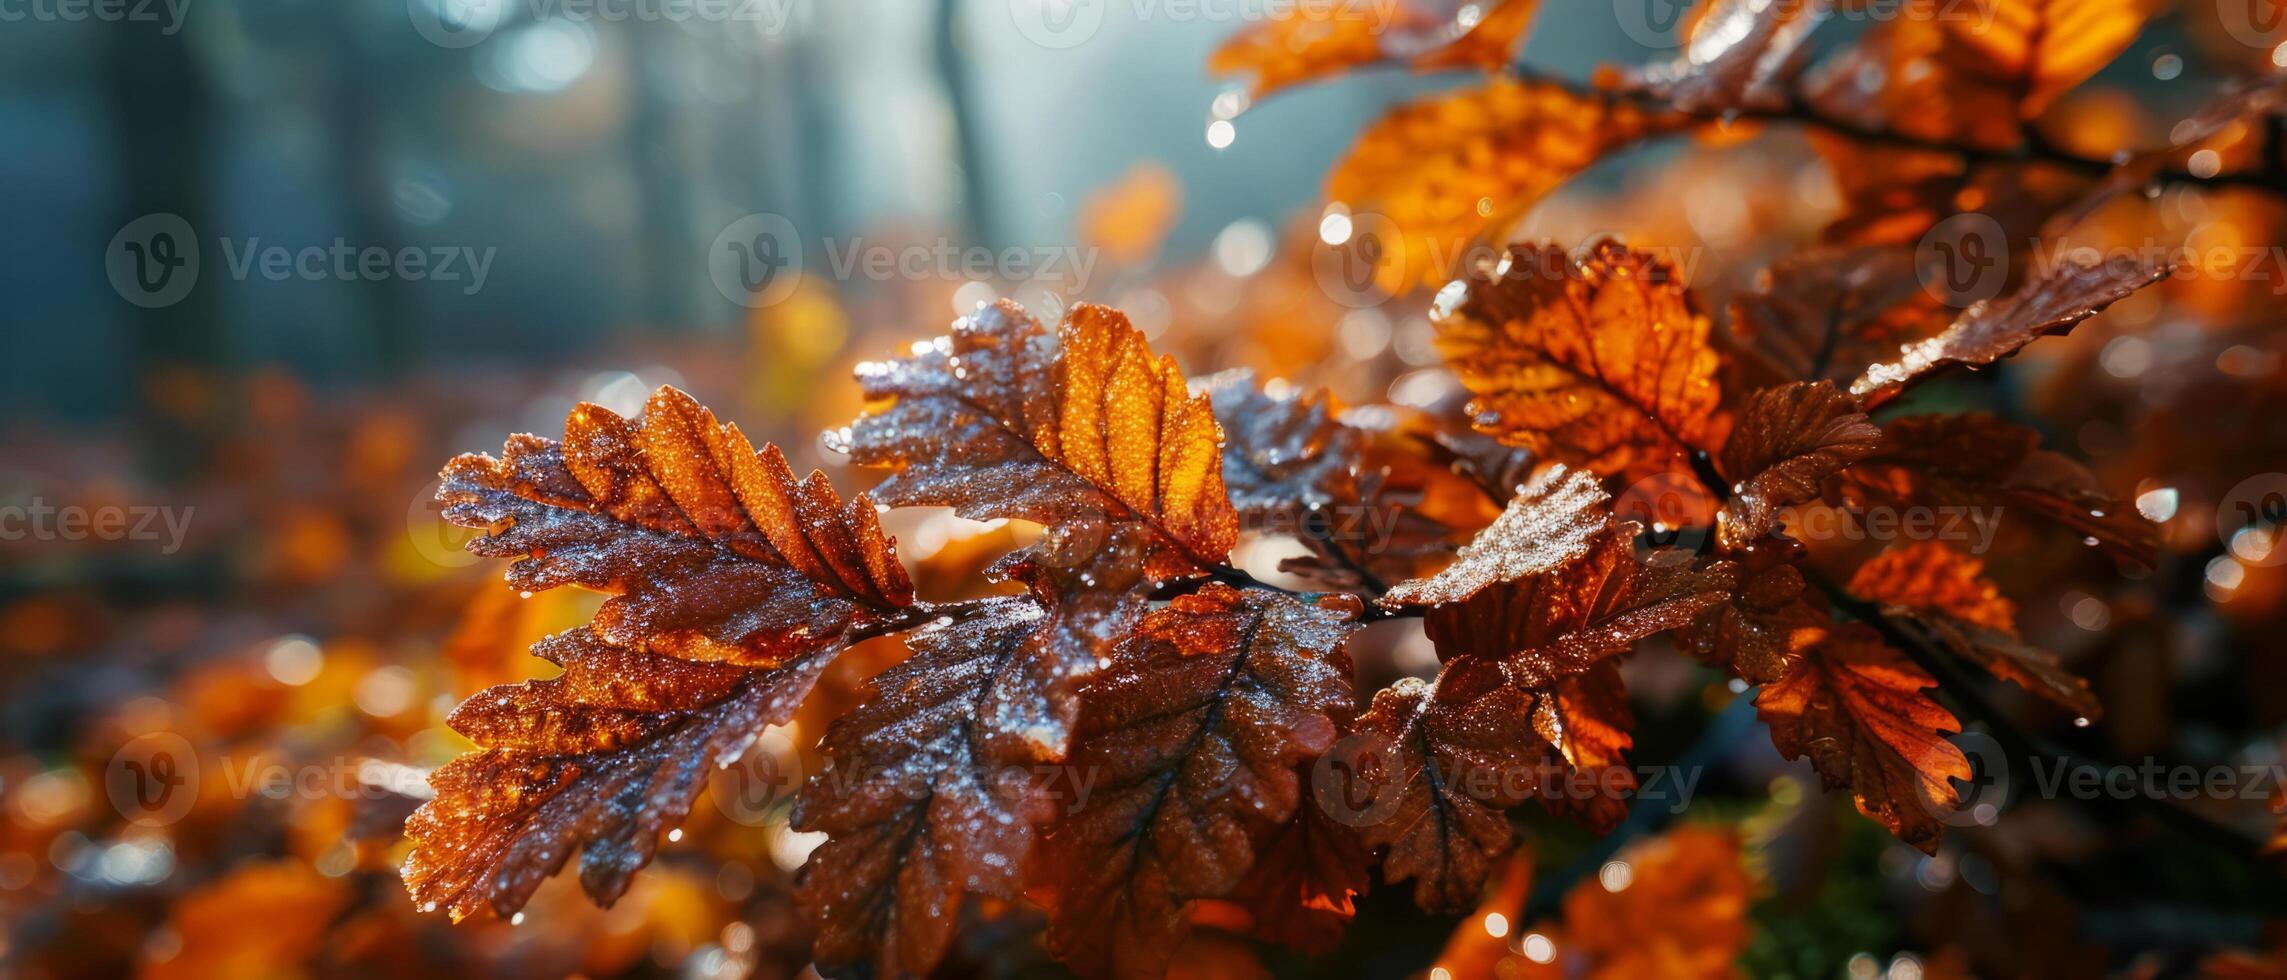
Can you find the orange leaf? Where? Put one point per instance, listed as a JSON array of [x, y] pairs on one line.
[[1947, 592], [1855, 708], [1602, 363], [1004, 419]]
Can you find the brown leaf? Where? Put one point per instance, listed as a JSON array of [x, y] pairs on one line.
[[1766, 625], [600, 759], [1551, 588], [1856, 708], [1603, 363], [712, 550], [1444, 169], [2053, 303], [1305, 876], [1453, 757], [1286, 456], [1787, 442], [1947, 592], [1974, 461], [1004, 419], [1192, 736], [915, 802], [1828, 312], [1585, 720]]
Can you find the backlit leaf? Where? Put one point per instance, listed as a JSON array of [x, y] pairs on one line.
[[2054, 302], [1193, 737], [1947, 592], [1787, 442], [1857, 709], [1602, 363], [1006, 419]]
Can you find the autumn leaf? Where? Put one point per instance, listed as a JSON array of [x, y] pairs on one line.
[[262, 919], [1948, 593], [1602, 363], [915, 802], [1193, 736], [1442, 169], [1856, 709], [1551, 523], [1585, 720], [1913, 76], [1306, 875], [1828, 312], [1976, 463], [1287, 455], [600, 759], [1766, 624], [2055, 301], [2045, 47], [711, 549], [1309, 41], [1787, 442], [1450, 760], [1005, 419]]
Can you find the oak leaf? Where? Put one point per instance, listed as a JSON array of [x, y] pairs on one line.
[[1948, 593], [1787, 442], [1005, 419], [916, 806], [1193, 736], [711, 549], [1857, 709], [2057, 299], [601, 759], [1602, 363]]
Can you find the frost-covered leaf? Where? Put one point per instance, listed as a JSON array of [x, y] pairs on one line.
[[1787, 442], [601, 759], [1004, 418], [2054, 302], [1858, 710], [712, 550], [1601, 363], [1192, 737], [1449, 760], [916, 802]]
